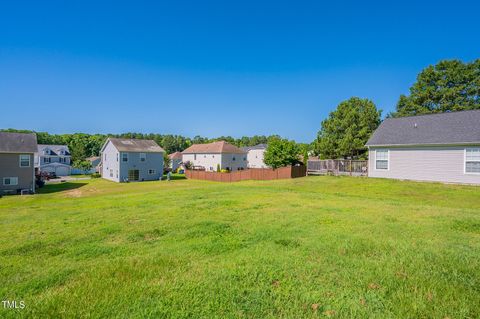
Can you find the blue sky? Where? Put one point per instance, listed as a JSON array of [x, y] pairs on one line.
[[216, 67]]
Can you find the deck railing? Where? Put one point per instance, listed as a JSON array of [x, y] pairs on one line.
[[337, 167]]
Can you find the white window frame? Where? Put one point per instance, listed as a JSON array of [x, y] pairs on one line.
[[124, 155], [388, 159], [10, 178], [152, 172], [465, 161], [143, 157], [20, 160]]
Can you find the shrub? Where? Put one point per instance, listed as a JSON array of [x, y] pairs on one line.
[[96, 175]]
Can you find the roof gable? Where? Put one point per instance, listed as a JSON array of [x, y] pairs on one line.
[[134, 145], [176, 155], [18, 142], [442, 129], [256, 147], [220, 147], [56, 149]]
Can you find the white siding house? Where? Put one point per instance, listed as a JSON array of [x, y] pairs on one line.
[[53, 159], [255, 155], [438, 147], [131, 160], [215, 155]]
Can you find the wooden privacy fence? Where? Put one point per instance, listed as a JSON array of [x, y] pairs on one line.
[[337, 167], [252, 173]]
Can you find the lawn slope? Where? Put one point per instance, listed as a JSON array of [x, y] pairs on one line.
[[312, 247]]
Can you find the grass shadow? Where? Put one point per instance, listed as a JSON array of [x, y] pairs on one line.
[[59, 187]]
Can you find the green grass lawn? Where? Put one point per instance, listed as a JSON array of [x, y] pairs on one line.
[[313, 247]]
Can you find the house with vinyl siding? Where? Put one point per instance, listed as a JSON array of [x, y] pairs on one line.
[[17, 171], [255, 155], [131, 160], [175, 160], [213, 156], [54, 159], [442, 147]]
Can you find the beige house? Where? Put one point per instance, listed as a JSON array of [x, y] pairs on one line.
[[437, 147], [215, 155], [255, 155]]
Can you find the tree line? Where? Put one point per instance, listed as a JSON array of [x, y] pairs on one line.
[[82, 145], [448, 86]]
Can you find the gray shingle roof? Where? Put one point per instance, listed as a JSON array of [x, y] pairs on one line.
[[18, 142], [256, 147], [135, 145], [54, 148], [442, 128]]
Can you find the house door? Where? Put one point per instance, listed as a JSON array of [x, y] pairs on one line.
[[133, 175]]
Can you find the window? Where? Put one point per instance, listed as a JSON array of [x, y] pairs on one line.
[[117, 173], [381, 159], [25, 160], [472, 160], [204, 156], [124, 157], [46, 160], [244, 158], [143, 157], [233, 158], [111, 172], [151, 172], [194, 156], [10, 181], [117, 157]]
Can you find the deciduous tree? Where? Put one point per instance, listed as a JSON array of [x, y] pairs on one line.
[[344, 133], [281, 152]]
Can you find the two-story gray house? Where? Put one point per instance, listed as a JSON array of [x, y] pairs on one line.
[[54, 159], [129, 160], [17, 172]]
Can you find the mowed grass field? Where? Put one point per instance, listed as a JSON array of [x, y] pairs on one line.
[[336, 247]]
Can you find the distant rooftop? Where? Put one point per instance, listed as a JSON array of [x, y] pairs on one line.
[[215, 147], [256, 147], [135, 145], [53, 148], [176, 155], [441, 128]]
